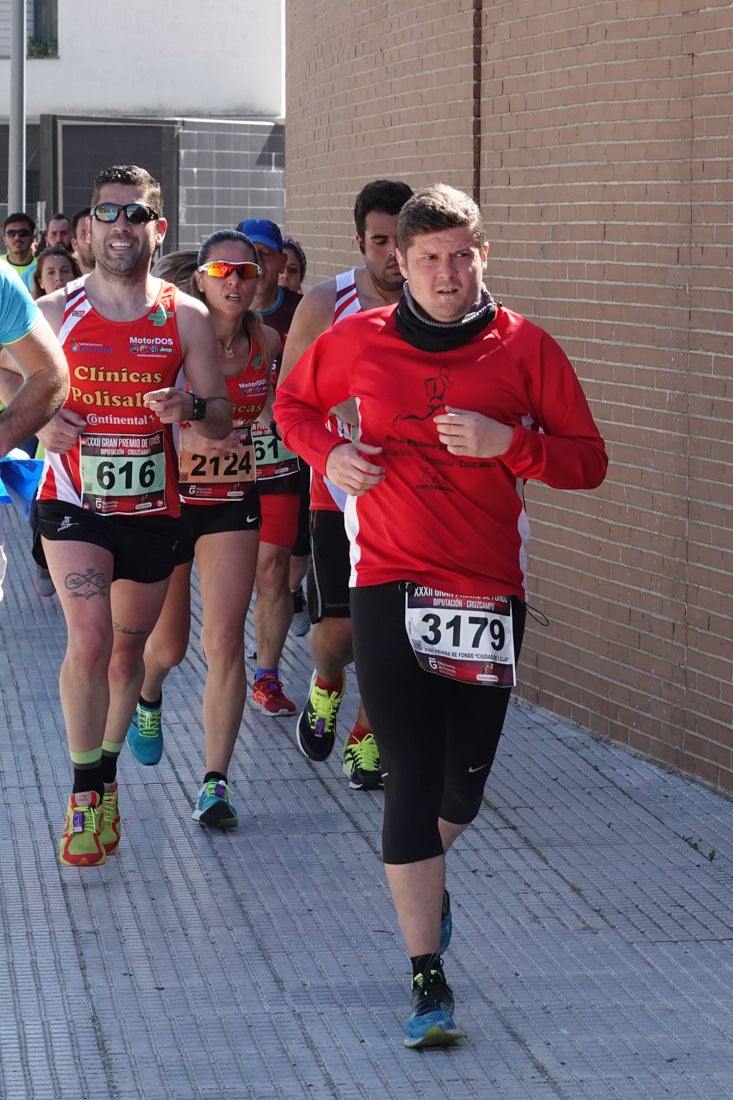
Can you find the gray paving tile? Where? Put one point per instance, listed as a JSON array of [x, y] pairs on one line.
[[592, 904]]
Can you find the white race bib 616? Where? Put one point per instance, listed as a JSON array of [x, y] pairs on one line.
[[122, 474]]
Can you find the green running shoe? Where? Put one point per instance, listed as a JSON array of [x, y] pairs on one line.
[[81, 842], [111, 824], [361, 764]]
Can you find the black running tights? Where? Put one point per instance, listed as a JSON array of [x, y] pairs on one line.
[[437, 738]]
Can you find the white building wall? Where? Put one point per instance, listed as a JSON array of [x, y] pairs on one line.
[[159, 57]]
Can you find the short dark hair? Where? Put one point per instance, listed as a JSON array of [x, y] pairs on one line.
[[21, 216], [130, 175], [382, 196], [77, 217], [435, 208]]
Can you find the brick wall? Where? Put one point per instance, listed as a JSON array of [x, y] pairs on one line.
[[355, 111], [602, 164]]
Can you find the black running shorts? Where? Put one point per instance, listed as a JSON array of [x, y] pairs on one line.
[[211, 519], [329, 568], [143, 547], [302, 544]]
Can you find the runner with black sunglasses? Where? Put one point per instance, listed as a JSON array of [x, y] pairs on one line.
[[18, 237], [108, 506]]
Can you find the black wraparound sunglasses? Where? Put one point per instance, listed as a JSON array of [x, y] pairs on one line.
[[135, 212]]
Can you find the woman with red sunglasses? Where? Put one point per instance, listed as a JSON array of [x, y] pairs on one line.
[[220, 524]]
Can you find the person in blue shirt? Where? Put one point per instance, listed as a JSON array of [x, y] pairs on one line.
[[34, 376]]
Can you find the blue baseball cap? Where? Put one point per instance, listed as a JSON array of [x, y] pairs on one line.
[[262, 231]]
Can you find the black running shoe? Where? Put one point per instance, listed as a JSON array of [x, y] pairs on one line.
[[317, 724], [431, 1024]]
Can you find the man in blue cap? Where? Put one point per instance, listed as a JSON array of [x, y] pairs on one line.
[[276, 307], [282, 481]]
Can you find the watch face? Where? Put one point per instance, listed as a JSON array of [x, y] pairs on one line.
[[199, 407]]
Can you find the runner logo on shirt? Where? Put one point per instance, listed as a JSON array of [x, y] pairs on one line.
[[435, 391]]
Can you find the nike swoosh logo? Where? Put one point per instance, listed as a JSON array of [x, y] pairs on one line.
[[471, 770], [251, 519]]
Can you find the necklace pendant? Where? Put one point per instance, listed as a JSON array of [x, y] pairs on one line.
[[229, 353]]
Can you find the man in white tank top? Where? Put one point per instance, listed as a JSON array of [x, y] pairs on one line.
[[378, 283]]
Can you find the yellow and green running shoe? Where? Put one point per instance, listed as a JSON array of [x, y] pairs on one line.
[[81, 842], [361, 763], [111, 825]]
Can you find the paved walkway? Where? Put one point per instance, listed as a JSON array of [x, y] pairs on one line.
[[593, 917]]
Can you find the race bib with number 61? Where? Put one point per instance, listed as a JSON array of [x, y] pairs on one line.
[[273, 458], [466, 638]]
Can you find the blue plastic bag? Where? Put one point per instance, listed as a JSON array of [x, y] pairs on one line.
[[19, 477]]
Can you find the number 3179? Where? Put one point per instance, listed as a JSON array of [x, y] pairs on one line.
[[451, 631]]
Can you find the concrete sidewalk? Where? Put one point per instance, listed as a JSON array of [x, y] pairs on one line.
[[592, 954]]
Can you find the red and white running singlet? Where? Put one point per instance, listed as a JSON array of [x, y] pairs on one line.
[[347, 303], [124, 462], [208, 475]]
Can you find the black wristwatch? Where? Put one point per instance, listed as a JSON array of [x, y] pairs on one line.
[[199, 407]]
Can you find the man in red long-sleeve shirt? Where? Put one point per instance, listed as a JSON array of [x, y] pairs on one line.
[[460, 401]]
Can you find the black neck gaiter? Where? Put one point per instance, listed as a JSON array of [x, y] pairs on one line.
[[422, 332]]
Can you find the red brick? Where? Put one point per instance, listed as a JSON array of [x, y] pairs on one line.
[[606, 140]]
